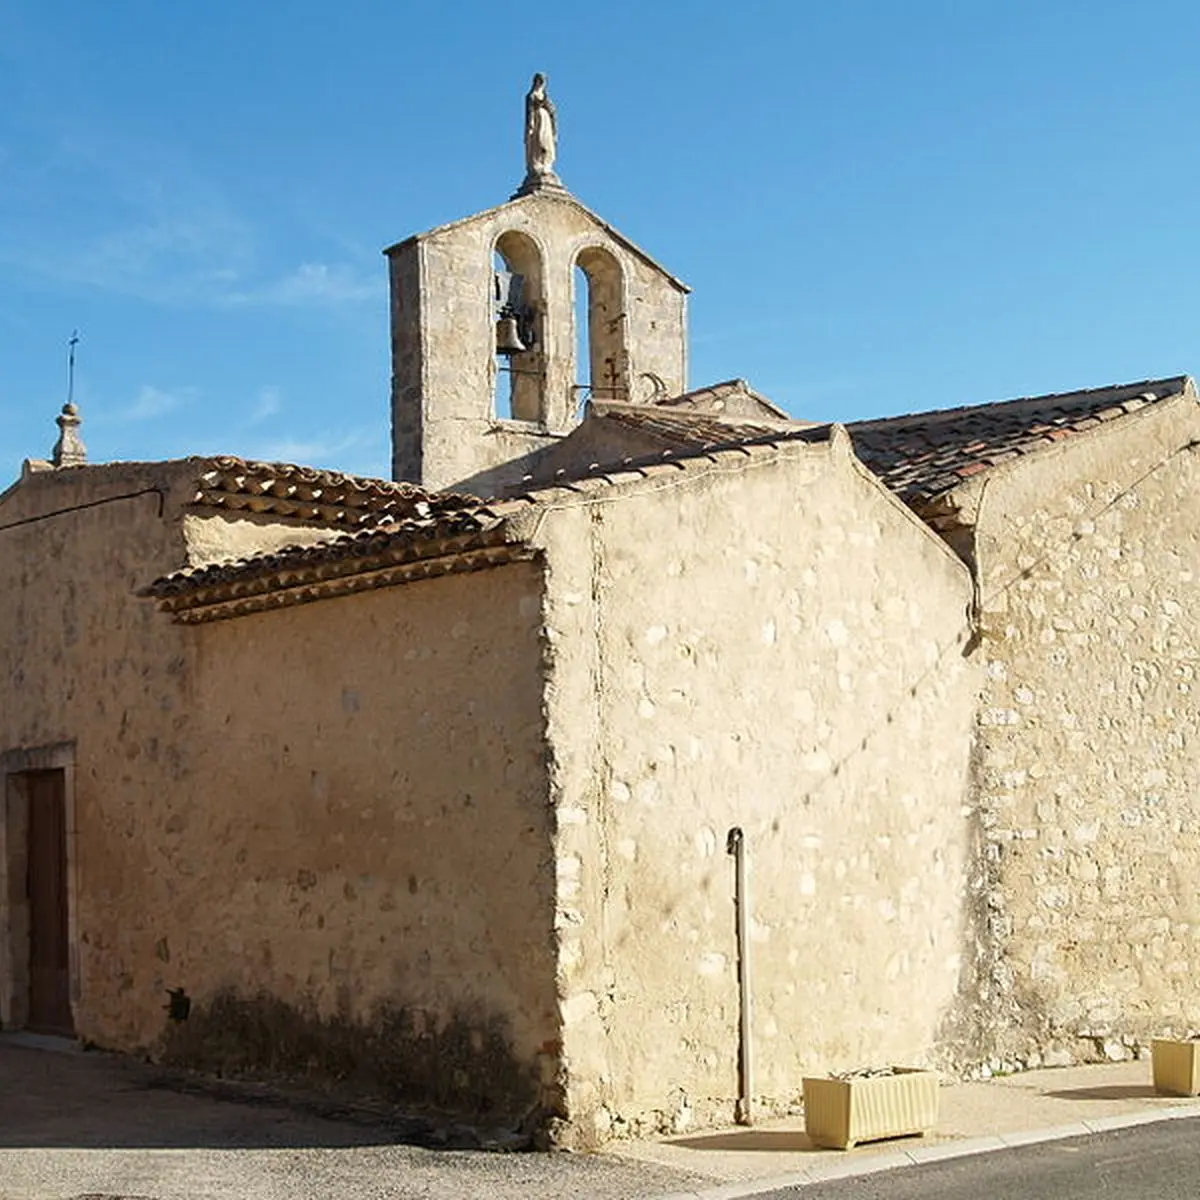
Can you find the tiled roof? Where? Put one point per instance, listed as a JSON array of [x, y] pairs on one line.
[[721, 397], [456, 534], [678, 455], [685, 429], [922, 456], [465, 517], [309, 494], [454, 539], [406, 533]]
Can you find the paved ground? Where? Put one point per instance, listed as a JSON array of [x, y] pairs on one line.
[[78, 1124]]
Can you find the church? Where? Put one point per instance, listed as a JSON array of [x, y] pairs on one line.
[[633, 752]]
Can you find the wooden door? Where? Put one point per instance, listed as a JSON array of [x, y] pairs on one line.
[[49, 961]]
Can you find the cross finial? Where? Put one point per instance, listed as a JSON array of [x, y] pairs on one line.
[[69, 450], [72, 342]]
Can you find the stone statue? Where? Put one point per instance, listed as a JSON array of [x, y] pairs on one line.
[[541, 137], [541, 129]]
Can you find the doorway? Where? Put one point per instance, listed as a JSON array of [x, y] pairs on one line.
[[46, 887]]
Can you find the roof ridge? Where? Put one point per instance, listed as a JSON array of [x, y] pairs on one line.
[[672, 456], [1178, 381], [229, 462], [440, 529], [343, 545], [717, 390], [924, 456], [664, 412]]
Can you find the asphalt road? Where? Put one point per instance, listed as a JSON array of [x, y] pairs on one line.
[[1146, 1162]]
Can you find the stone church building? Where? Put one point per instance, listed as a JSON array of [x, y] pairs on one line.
[[438, 787]]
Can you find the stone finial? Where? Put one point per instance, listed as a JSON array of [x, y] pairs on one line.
[[69, 450], [541, 141]]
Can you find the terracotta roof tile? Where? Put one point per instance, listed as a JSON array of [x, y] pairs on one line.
[[688, 442], [687, 428], [921, 456], [400, 527], [449, 533], [394, 538], [721, 398], [311, 495]]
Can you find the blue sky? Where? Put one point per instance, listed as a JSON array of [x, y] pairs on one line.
[[881, 206]]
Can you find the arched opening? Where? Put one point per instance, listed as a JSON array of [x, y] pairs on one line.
[[601, 361], [517, 312]]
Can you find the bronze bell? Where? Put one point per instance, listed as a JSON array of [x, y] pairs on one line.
[[508, 337]]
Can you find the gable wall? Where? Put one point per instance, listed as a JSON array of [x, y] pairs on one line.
[[445, 431], [364, 858], [775, 646], [1089, 562]]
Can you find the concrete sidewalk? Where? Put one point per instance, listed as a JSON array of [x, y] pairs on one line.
[[975, 1118]]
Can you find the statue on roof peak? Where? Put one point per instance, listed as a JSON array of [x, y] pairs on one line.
[[541, 140]]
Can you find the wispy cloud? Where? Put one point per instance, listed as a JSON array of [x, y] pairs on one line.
[[153, 228], [152, 402], [267, 404], [312, 283], [324, 449], [151, 231]]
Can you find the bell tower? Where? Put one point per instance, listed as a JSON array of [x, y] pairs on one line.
[[505, 323]]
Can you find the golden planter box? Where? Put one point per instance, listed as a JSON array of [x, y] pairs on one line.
[[1176, 1066], [840, 1113]]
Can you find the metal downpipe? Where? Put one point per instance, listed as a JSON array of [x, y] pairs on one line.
[[735, 844]]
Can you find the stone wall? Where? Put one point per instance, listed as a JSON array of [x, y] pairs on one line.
[[1089, 560], [93, 684], [327, 824], [369, 848], [776, 645], [464, 840]]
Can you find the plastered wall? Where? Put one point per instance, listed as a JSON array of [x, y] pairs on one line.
[[1090, 580], [777, 646]]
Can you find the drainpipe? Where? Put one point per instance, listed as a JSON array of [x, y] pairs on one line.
[[735, 844]]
